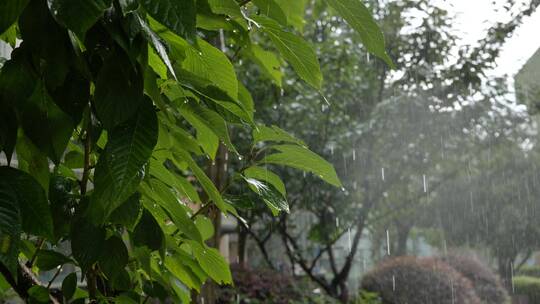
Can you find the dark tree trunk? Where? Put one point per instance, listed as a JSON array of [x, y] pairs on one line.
[[403, 231]]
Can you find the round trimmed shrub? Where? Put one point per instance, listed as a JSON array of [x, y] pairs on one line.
[[486, 283], [259, 286], [411, 280], [528, 286]]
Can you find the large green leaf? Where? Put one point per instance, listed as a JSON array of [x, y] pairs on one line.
[[179, 16], [116, 259], [271, 197], [9, 12], [295, 11], [271, 9], [119, 90], [360, 19], [49, 259], [178, 213], [8, 130], [268, 61], [205, 182], [175, 181], [303, 159], [69, 285], [275, 134], [182, 272], [154, 39], [87, 243], [210, 64], [10, 224], [294, 49], [128, 213], [268, 176], [48, 127], [32, 202], [148, 233], [212, 262], [77, 16], [121, 166], [207, 121], [225, 7]]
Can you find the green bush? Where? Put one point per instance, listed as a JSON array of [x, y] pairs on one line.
[[528, 286], [530, 271], [410, 280], [486, 283]]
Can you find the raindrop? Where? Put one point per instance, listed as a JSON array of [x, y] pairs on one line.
[[332, 150], [382, 174], [368, 57], [393, 283], [337, 221], [349, 234], [387, 242], [425, 183], [304, 173], [239, 157], [354, 154]]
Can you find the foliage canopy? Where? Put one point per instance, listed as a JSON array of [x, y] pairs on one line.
[[114, 109]]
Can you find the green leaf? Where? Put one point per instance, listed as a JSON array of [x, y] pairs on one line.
[[121, 166], [207, 121], [128, 213], [119, 90], [268, 61], [213, 263], [48, 127], [148, 233], [31, 200], [205, 226], [267, 176], [205, 182], [361, 20], [155, 41], [210, 64], [275, 134], [32, 160], [271, 9], [49, 259], [38, 294], [179, 16], [69, 285], [294, 49], [244, 97], [77, 16], [303, 159], [295, 11], [182, 272], [9, 12], [178, 212], [271, 197], [87, 243], [175, 181], [8, 130], [10, 224], [116, 258], [225, 7]]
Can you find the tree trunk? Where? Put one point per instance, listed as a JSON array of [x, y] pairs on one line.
[[216, 172], [403, 231], [242, 242]]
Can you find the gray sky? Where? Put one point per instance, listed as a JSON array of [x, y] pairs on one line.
[[473, 17]]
